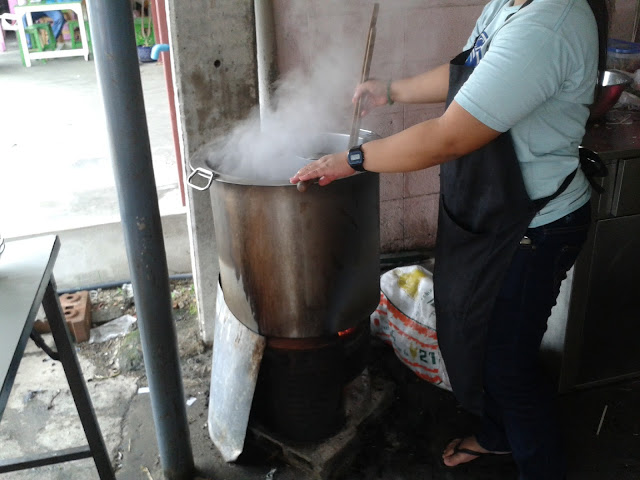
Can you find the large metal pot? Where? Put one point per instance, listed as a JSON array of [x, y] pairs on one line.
[[292, 264]]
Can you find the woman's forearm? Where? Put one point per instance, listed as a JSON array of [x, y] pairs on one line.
[[429, 143], [424, 145], [428, 87]]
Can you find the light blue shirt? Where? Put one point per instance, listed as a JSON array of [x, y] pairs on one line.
[[535, 76]]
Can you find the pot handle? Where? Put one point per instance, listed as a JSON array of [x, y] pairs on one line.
[[204, 173]]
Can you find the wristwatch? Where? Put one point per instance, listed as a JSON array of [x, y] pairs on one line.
[[356, 158]]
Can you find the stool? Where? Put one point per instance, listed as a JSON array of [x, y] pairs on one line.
[[138, 28], [36, 41], [73, 25]]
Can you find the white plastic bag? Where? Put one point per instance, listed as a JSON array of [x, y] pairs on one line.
[[406, 320]]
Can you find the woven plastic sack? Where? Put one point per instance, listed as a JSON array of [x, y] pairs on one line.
[[406, 320]]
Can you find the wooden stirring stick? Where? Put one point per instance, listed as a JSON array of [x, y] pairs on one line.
[[366, 67]]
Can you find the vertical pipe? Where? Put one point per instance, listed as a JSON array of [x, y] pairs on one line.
[[121, 87], [636, 22], [162, 36], [265, 52]]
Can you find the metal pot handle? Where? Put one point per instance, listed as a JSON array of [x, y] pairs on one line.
[[204, 173]]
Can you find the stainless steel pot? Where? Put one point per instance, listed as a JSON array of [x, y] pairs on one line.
[[292, 264]]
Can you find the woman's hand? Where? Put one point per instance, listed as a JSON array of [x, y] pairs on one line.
[[326, 169], [373, 94]]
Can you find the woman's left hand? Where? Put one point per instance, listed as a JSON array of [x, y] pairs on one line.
[[326, 169]]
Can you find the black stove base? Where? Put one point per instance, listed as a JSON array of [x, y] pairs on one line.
[[364, 402], [300, 390]]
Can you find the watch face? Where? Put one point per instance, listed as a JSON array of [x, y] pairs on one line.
[[356, 159]]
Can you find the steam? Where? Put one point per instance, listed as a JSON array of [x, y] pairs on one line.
[[272, 148]]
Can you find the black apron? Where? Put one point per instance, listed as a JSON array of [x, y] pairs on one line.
[[484, 213]]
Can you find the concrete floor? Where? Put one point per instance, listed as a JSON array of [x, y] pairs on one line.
[[54, 150], [55, 170], [404, 443]]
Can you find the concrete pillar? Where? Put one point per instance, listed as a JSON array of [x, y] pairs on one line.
[[213, 50]]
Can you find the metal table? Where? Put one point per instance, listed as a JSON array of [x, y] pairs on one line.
[[26, 281]]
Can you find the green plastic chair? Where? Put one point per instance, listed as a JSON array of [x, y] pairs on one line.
[[137, 25], [73, 25], [36, 40]]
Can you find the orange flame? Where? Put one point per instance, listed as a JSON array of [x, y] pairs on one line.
[[348, 331]]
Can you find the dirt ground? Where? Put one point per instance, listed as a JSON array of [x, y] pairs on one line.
[[123, 355], [137, 454], [404, 442]]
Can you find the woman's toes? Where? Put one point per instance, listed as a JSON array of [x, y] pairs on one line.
[[454, 453]]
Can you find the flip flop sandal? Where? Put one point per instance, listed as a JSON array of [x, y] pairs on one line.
[[457, 449]]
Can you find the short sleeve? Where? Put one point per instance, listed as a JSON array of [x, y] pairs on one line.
[[517, 74], [488, 12]]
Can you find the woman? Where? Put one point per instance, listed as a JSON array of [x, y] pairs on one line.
[[514, 207]]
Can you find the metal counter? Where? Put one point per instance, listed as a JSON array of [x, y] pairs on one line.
[[594, 331]]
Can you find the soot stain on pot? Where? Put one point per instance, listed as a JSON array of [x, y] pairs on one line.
[[350, 218], [308, 224]]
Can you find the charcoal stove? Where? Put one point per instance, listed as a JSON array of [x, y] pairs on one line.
[[300, 391], [300, 271]]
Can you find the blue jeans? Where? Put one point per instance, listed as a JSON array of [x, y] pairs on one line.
[[519, 412], [55, 15]]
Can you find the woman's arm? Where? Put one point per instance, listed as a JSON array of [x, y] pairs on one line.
[[426, 144], [428, 87]]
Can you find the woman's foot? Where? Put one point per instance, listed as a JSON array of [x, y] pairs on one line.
[[463, 450]]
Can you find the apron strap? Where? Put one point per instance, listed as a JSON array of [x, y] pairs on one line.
[[541, 202], [592, 166], [489, 40], [523, 5]]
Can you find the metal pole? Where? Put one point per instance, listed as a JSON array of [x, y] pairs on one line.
[[162, 37], [121, 87], [266, 53]]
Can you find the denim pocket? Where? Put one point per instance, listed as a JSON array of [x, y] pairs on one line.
[[515, 279], [552, 252]]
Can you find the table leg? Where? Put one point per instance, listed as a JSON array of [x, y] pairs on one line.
[[83, 33], [23, 41], [69, 360]]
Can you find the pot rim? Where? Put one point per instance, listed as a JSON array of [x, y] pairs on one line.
[[200, 168]]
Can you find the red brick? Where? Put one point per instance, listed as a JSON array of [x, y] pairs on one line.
[[77, 311]]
